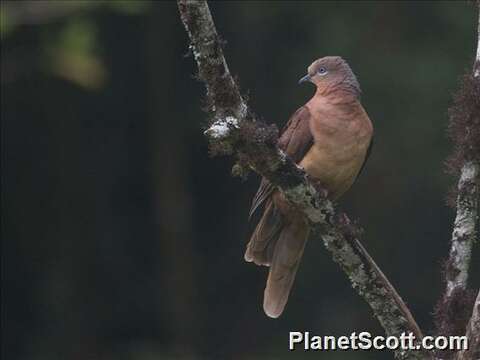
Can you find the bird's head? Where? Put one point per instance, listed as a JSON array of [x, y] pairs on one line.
[[331, 72]]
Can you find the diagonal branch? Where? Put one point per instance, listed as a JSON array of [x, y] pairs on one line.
[[234, 130]]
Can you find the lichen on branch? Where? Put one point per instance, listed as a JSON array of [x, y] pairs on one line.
[[235, 130], [453, 310]]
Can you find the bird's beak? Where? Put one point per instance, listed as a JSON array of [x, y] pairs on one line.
[[304, 79]]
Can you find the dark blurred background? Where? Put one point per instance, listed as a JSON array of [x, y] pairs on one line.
[[123, 239]]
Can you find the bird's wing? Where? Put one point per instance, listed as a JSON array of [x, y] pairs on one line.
[[296, 140]]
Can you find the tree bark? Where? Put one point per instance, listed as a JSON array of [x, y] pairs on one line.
[[451, 311], [235, 130], [473, 335]]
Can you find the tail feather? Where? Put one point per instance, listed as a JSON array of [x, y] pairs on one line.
[[286, 259], [261, 245]]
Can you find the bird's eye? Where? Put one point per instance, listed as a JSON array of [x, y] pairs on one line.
[[322, 71]]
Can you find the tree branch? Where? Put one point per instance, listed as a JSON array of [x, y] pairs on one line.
[[452, 310], [234, 130], [464, 230], [473, 335]]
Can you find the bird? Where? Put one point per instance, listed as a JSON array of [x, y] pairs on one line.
[[330, 137]]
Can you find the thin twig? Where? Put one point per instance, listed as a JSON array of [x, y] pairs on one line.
[[235, 130]]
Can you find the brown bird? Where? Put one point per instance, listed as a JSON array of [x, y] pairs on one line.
[[330, 137]]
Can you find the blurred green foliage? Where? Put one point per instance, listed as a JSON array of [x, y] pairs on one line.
[[70, 49]]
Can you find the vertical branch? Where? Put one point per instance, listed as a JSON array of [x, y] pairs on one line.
[[464, 128], [473, 335], [464, 230]]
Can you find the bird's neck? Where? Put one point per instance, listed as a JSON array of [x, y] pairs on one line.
[[336, 95]]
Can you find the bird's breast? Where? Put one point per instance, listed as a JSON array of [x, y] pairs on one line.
[[341, 140]]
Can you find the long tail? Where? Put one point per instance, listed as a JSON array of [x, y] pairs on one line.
[[261, 245], [286, 258]]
